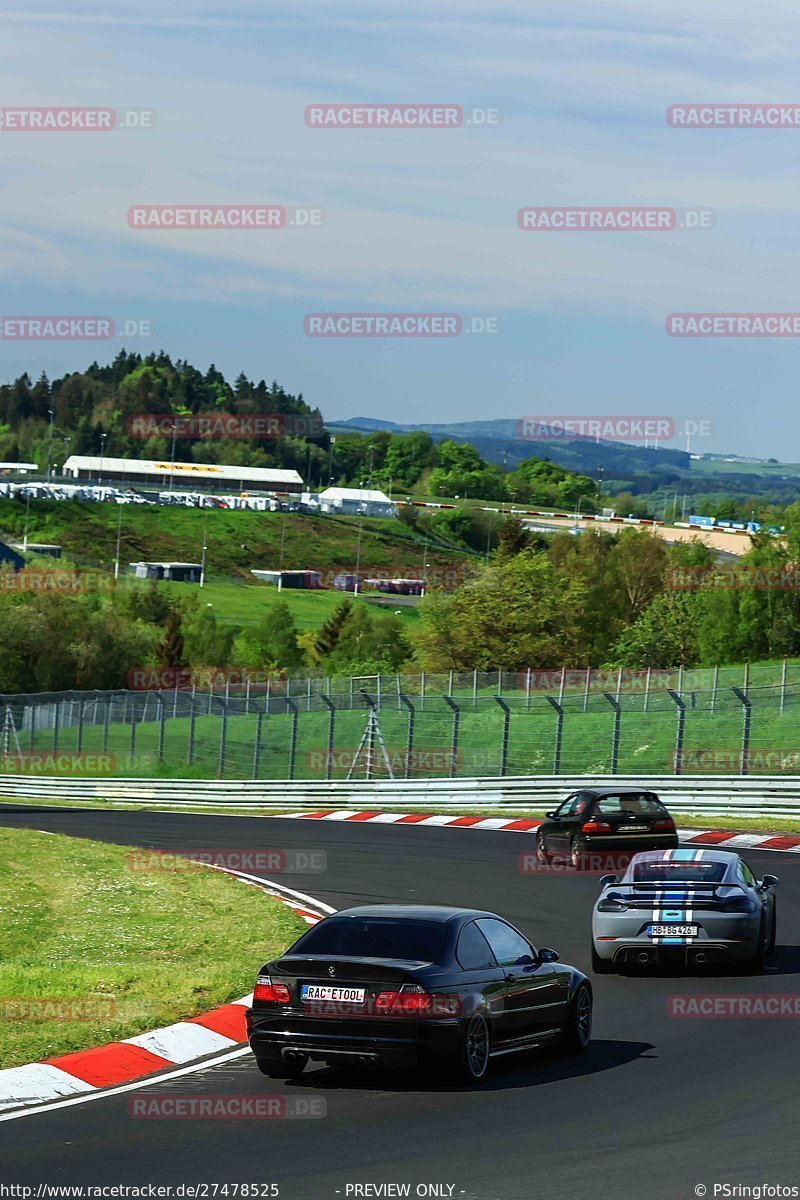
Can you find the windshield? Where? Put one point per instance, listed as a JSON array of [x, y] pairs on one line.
[[375, 937]]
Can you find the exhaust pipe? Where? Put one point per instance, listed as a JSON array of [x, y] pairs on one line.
[[644, 957], [700, 957]]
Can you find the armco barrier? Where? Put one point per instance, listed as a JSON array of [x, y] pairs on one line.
[[720, 795]]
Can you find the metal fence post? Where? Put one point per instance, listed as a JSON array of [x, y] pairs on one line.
[[528, 688], [783, 685], [646, 704], [331, 719], [714, 683], [33, 728], [615, 704], [504, 742], [559, 734], [56, 719], [132, 749], [223, 738], [746, 678], [410, 738], [475, 688], [79, 744], [561, 685], [422, 690], [746, 707], [454, 740], [294, 710], [449, 684], [586, 688], [257, 743], [106, 720], [681, 707], [190, 743], [161, 726]]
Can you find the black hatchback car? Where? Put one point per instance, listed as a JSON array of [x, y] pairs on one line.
[[596, 821], [397, 985]]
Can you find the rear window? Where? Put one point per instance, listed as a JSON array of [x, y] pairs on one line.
[[375, 937], [673, 870], [641, 805]]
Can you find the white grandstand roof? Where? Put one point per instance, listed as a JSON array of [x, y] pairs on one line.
[[181, 470], [362, 494]]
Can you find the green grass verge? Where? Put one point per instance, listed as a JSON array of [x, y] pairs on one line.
[[77, 922]]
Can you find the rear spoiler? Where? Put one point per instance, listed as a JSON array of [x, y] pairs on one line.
[[657, 884]]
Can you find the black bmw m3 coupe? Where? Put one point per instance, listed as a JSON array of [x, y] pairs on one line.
[[397, 985]]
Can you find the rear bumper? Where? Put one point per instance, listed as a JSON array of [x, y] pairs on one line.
[[367, 1042], [694, 954]]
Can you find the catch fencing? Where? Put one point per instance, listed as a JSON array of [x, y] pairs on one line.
[[722, 722]]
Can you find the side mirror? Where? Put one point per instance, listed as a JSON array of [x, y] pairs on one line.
[[605, 880], [546, 955], [551, 816], [769, 881]]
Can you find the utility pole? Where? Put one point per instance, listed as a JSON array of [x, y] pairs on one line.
[[103, 437], [27, 514], [50, 445], [203, 555], [119, 537], [330, 462], [172, 459]]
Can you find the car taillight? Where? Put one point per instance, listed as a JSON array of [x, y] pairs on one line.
[[665, 825], [413, 1001], [268, 992], [738, 904], [597, 827]]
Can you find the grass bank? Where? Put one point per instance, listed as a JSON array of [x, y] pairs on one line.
[[131, 949]]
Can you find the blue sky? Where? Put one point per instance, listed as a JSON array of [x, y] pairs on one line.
[[421, 221]]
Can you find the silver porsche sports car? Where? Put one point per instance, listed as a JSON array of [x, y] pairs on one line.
[[684, 906]]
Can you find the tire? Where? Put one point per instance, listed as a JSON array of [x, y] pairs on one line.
[[601, 966], [470, 1063], [276, 1068], [577, 1031], [542, 856], [773, 928]]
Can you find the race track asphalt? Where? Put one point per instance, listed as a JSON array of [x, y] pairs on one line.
[[656, 1107]]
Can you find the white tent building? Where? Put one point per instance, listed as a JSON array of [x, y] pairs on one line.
[[355, 502]]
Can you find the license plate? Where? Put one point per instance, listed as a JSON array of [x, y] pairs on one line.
[[632, 828], [324, 991], [672, 930]]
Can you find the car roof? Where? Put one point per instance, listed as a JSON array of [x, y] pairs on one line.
[[413, 912], [619, 791]]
